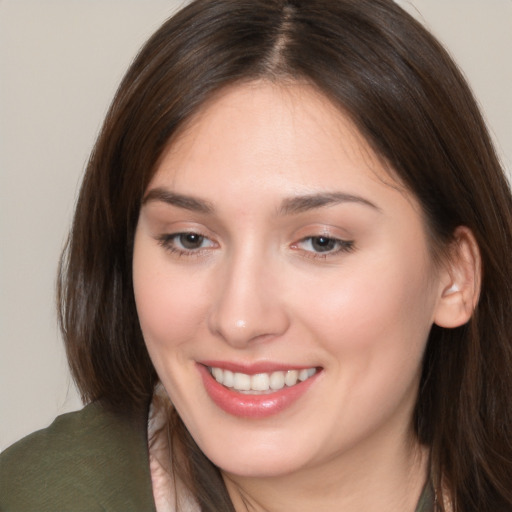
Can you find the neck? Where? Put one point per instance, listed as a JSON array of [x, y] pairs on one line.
[[389, 479]]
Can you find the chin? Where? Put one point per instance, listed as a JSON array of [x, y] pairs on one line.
[[259, 456]]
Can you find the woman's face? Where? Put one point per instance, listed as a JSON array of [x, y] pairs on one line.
[[272, 246]]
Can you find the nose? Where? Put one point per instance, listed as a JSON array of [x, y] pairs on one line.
[[249, 304]]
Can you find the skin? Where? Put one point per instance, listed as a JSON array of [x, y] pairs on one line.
[[256, 289]]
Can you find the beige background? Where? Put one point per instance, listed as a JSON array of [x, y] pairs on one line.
[[60, 62]]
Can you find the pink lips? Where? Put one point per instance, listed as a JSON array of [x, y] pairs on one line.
[[251, 406]]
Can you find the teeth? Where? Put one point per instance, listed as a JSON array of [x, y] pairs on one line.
[[305, 374], [291, 377], [228, 378], [242, 382], [277, 380], [217, 374], [261, 382]]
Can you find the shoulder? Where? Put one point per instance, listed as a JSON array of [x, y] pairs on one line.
[[88, 460]]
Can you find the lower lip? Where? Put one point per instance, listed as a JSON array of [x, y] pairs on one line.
[[252, 406]]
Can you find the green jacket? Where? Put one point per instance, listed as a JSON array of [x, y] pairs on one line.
[[87, 461]]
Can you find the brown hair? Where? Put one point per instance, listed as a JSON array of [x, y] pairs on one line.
[[407, 97]]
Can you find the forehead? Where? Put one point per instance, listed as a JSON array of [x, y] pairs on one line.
[[259, 136]]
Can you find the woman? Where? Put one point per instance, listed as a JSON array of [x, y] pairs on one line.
[[294, 229]]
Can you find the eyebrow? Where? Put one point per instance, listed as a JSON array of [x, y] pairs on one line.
[[289, 206], [180, 200], [300, 204]]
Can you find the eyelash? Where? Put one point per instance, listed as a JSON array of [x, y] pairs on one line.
[[167, 241], [342, 246]]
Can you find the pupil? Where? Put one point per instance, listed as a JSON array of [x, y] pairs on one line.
[[323, 243], [191, 240]]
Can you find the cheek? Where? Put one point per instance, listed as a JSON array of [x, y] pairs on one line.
[[382, 306], [374, 326], [168, 303]]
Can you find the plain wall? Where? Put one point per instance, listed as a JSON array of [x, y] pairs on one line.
[[60, 63]]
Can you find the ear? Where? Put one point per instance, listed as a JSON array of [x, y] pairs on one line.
[[460, 280]]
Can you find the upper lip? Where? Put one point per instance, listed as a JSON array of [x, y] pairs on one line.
[[255, 367]]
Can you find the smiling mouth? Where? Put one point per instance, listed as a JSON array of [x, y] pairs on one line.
[[260, 383]]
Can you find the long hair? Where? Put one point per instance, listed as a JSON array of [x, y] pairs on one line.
[[409, 100]]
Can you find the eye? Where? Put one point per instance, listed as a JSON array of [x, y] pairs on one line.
[[186, 243], [322, 243], [189, 241], [323, 246]]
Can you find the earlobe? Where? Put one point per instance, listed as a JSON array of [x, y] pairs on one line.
[[460, 283]]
